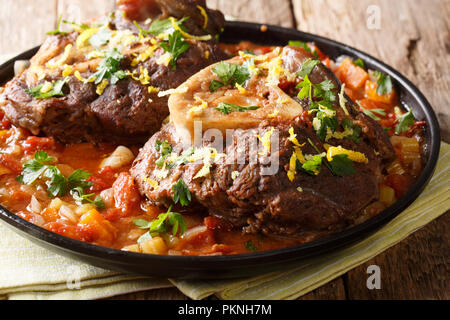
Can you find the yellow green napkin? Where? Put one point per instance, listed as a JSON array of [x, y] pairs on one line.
[[31, 272]]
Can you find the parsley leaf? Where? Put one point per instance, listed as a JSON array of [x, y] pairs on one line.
[[57, 183], [322, 90], [109, 68], [307, 66], [304, 45], [250, 246], [80, 197], [327, 120], [176, 46], [384, 83], [341, 165], [371, 112], [230, 74], [359, 63], [181, 193], [313, 166], [165, 148], [226, 108], [348, 124], [161, 224], [163, 26], [405, 121], [53, 89]]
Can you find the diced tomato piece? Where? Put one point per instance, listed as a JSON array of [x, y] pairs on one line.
[[353, 76], [112, 214], [63, 229], [400, 183], [10, 162], [103, 179], [33, 144], [5, 124], [200, 242], [126, 195], [371, 93], [215, 223]]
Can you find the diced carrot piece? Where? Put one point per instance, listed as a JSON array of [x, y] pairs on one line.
[[353, 76], [371, 93], [98, 227]]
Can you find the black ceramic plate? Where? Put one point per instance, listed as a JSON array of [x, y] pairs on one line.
[[245, 264]]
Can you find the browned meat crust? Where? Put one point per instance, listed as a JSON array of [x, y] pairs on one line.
[[273, 204], [124, 113]]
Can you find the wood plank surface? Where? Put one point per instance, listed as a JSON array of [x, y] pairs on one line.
[[413, 37], [23, 26]]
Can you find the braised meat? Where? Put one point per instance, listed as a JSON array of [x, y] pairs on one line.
[[113, 79], [330, 156]]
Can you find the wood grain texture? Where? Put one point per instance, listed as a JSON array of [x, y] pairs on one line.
[[23, 26], [261, 11], [413, 37], [82, 10]]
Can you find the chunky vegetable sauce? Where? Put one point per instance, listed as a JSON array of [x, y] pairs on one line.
[[85, 192]]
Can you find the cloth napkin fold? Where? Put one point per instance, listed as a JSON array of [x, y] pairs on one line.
[[28, 271]]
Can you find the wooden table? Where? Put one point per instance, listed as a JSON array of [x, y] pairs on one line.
[[412, 36]]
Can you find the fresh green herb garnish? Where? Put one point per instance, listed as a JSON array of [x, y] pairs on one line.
[[384, 83], [181, 193], [250, 246], [341, 165], [405, 121], [57, 183], [54, 89], [161, 224], [165, 149], [57, 31], [304, 45], [77, 25], [226, 108], [359, 63], [371, 112], [176, 46], [322, 90], [348, 124], [307, 66], [163, 26], [230, 74], [80, 197], [327, 120], [313, 166], [109, 68]]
